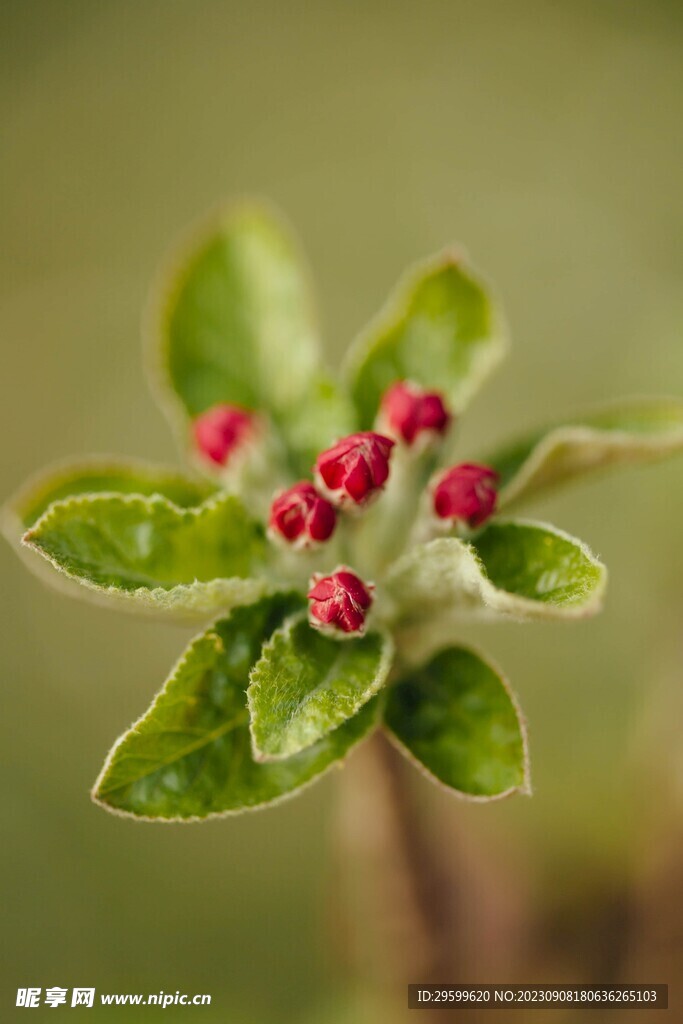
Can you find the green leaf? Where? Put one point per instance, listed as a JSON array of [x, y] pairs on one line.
[[151, 554], [235, 322], [441, 329], [190, 756], [307, 684], [102, 474], [634, 431], [317, 423], [518, 569], [458, 720]]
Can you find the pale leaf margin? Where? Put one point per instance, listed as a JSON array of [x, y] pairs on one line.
[[466, 576], [18, 512], [383, 669], [524, 789], [14, 518], [166, 286], [397, 307], [231, 812], [186, 602], [584, 449]]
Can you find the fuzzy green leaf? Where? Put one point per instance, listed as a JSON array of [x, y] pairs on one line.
[[516, 568], [457, 719], [317, 423], [440, 329], [307, 684], [633, 431], [190, 756], [151, 554], [236, 324], [104, 474]]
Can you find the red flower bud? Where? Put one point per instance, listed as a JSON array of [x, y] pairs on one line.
[[300, 514], [408, 412], [222, 429], [467, 493], [356, 467], [339, 602]]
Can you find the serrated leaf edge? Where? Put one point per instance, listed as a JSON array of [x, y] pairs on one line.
[[154, 600], [231, 812], [396, 307], [524, 789], [506, 603], [385, 663], [11, 522]]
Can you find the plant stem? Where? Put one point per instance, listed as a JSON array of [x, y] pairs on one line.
[[396, 892]]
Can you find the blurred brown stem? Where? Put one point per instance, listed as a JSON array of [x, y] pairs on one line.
[[394, 892]]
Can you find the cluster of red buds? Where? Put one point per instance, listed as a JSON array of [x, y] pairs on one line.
[[349, 476]]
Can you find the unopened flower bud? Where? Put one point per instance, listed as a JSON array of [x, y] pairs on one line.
[[409, 413], [339, 603], [221, 430], [466, 493], [301, 516], [356, 468]]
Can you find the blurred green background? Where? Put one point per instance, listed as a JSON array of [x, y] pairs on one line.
[[547, 137]]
